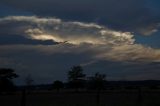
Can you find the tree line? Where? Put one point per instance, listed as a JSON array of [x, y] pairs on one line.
[[76, 80]]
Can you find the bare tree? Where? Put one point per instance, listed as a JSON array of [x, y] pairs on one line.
[[98, 81]]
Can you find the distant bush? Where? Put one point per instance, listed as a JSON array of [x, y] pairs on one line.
[[98, 82], [57, 85]]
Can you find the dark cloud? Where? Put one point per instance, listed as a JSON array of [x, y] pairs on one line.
[[125, 70], [47, 68], [52, 62], [43, 67], [18, 39], [126, 15], [9, 10]]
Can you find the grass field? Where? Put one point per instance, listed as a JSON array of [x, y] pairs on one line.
[[69, 98]]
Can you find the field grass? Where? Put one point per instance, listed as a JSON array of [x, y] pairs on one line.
[[90, 98]]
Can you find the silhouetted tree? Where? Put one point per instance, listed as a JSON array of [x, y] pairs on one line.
[[58, 85], [6, 76], [76, 73], [98, 81], [76, 77]]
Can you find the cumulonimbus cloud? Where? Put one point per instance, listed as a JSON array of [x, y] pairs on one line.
[[60, 31], [100, 41]]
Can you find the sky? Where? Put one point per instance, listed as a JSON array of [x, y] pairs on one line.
[[45, 38]]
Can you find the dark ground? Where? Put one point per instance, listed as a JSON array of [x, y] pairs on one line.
[[84, 98]]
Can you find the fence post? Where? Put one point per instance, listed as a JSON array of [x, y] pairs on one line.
[[98, 98], [23, 98]]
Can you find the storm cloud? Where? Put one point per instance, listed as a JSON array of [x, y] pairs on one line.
[[100, 41]]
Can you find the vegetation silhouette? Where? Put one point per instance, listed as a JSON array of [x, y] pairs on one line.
[[98, 81], [6, 76], [76, 78], [94, 90], [58, 85]]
